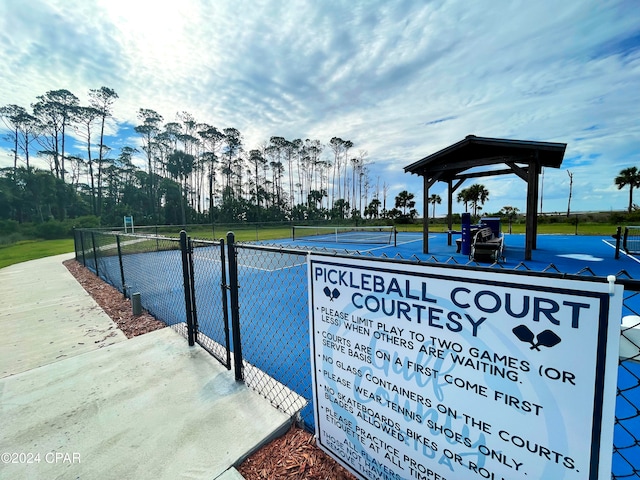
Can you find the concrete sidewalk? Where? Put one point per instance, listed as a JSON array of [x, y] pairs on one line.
[[79, 400]]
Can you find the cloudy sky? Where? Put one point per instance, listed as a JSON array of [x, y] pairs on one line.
[[401, 79]]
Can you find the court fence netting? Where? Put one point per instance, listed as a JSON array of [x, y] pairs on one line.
[[631, 239], [247, 305], [385, 235]]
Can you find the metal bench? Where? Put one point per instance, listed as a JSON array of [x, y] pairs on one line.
[[485, 245]]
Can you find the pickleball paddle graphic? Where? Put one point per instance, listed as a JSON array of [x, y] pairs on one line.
[[335, 293], [546, 338]]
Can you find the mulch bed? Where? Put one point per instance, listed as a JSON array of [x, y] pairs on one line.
[[113, 302], [293, 456]]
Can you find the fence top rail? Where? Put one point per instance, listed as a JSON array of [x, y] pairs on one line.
[[208, 242], [114, 233], [274, 248], [148, 236]]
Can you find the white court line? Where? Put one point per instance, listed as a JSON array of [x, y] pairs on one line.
[[399, 243], [273, 269], [372, 249], [260, 269], [622, 251], [382, 247], [417, 240]]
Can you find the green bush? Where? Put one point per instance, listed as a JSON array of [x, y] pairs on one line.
[[404, 220], [28, 230], [87, 221], [12, 231], [11, 238], [52, 230], [8, 227], [617, 218]]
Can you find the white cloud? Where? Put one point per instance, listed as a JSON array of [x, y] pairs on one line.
[[399, 79]]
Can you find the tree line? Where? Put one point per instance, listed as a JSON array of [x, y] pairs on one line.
[[193, 171]]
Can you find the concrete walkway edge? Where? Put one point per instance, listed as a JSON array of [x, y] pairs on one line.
[[88, 403]]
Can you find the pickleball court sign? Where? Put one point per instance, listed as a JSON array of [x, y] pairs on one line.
[[445, 374]]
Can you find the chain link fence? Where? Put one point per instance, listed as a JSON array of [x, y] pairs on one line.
[[132, 263], [626, 447], [267, 287], [274, 326]]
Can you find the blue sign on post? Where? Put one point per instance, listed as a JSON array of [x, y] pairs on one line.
[[466, 234], [128, 222]]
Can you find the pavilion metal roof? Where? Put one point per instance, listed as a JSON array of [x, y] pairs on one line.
[[472, 152]]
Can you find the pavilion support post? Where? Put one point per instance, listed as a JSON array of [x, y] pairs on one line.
[[538, 169], [425, 216], [449, 211], [532, 208]]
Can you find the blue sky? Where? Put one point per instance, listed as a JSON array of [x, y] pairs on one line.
[[400, 79]]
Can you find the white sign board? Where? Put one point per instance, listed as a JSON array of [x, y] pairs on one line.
[[443, 374]]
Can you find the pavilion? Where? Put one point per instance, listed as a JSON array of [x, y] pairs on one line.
[[476, 157]]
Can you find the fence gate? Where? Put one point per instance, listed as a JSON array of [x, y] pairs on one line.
[[205, 281]]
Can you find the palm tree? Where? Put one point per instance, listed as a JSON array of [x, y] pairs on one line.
[[435, 199], [628, 176], [405, 200], [509, 212], [464, 196], [373, 208], [314, 199], [477, 196]]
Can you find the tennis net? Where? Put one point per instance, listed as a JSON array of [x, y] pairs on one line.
[[332, 234], [631, 240]]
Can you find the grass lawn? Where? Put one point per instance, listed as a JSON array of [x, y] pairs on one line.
[[243, 233], [248, 234], [32, 249]]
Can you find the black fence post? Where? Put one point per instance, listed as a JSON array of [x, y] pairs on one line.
[[192, 290], [124, 285], [186, 279], [75, 243], [225, 303], [235, 307], [618, 237], [95, 252], [84, 260]]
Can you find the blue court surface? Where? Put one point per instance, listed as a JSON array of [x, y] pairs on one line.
[[568, 253]]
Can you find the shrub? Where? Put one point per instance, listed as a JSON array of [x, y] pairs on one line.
[[52, 229], [8, 227], [87, 221], [11, 238]]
